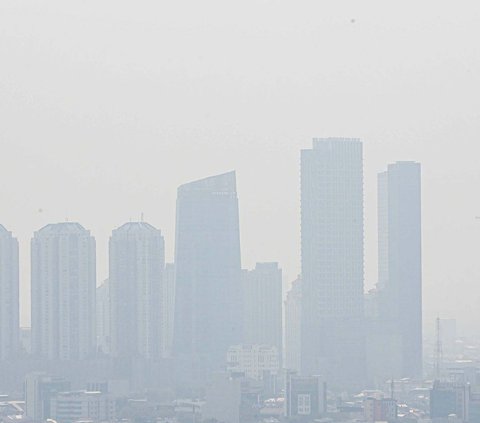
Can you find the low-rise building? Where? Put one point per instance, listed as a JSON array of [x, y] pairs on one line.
[[69, 407], [253, 360]]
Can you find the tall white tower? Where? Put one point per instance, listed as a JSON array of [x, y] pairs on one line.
[[332, 261], [63, 292], [9, 305], [137, 262]]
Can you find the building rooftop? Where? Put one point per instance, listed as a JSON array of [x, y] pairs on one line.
[[63, 228], [225, 182], [136, 228]]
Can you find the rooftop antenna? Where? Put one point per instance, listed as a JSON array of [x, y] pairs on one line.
[[438, 350]]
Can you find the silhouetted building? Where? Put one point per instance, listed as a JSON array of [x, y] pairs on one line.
[[447, 399], [293, 308], [332, 261], [63, 292], [137, 262], [9, 301], [400, 268], [262, 306], [39, 390], [207, 274], [305, 396]]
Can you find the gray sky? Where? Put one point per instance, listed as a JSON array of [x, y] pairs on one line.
[[107, 106]]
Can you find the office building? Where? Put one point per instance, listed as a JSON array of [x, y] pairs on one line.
[[262, 306], [332, 339], [207, 275], [137, 262], [447, 399], [400, 267], [305, 396], [293, 308], [75, 406], [63, 292], [39, 390], [380, 410], [254, 361], [9, 301]]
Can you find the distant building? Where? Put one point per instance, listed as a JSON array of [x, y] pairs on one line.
[[380, 410], [39, 390], [168, 309], [63, 292], [26, 340], [333, 341], [253, 360], [69, 407], [207, 276], [103, 317], [9, 301], [293, 307], [262, 306], [448, 399], [400, 269], [137, 262], [305, 396]]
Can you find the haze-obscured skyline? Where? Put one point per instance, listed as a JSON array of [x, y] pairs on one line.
[[106, 108]]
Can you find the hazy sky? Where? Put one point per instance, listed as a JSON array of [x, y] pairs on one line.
[[107, 106]]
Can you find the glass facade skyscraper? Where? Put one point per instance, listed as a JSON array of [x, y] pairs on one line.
[[332, 261], [207, 274]]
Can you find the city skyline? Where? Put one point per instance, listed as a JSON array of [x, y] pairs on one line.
[[405, 89]]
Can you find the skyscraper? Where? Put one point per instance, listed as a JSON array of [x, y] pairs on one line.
[[400, 266], [262, 306], [9, 302], [293, 316], [332, 260], [137, 261], [103, 317], [168, 308], [207, 274], [63, 292]]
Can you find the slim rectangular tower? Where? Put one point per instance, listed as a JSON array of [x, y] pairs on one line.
[[400, 265], [9, 301], [332, 261], [262, 306]]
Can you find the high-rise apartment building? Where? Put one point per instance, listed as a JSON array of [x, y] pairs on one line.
[[332, 261], [168, 308], [293, 317], [9, 301], [207, 274], [103, 317], [137, 262], [400, 267], [63, 292], [262, 306]]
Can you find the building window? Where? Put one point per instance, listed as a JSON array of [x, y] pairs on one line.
[[304, 405]]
